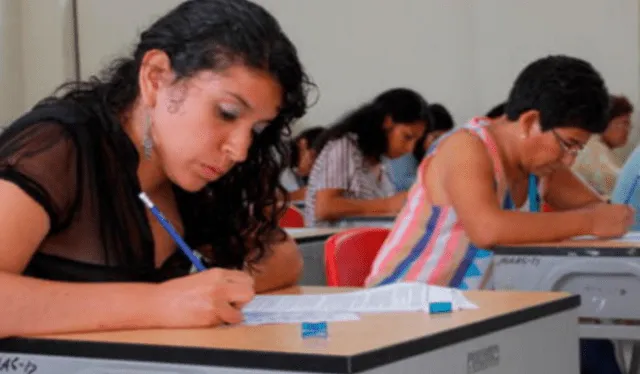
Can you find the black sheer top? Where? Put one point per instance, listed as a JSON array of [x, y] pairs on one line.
[[77, 162]]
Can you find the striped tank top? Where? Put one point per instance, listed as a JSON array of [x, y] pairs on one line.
[[427, 242]]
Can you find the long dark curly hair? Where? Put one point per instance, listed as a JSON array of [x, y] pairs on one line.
[[401, 104], [241, 210]]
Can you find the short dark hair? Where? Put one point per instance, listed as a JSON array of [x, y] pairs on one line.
[[567, 91], [401, 104], [619, 106], [441, 119], [310, 135], [496, 111]]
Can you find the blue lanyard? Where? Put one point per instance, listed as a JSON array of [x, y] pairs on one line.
[[534, 199]]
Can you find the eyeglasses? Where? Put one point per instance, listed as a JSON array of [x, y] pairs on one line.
[[568, 147]]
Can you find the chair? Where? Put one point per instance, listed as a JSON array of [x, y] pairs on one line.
[[292, 218], [348, 255]]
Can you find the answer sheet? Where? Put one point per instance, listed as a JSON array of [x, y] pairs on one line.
[[263, 318], [397, 297], [633, 236]]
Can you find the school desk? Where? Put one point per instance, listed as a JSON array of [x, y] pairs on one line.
[[298, 204], [511, 332], [367, 221], [605, 273], [311, 244]]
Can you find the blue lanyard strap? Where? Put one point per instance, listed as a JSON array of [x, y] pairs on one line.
[[534, 198]]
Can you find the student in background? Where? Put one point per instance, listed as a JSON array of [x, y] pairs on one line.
[[496, 112], [597, 164], [348, 177], [301, 158], [472, 181], [403, 170], [627, 188], [191, 118]]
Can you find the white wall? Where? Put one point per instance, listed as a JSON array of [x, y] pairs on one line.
[[11, 72], [462, 53], [47, 46], [36, 52]]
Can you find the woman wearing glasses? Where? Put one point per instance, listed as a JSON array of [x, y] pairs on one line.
[[598, 165], [472, 183]]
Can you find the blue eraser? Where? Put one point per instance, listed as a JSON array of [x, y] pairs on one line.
[[440, 307], [314, 330]]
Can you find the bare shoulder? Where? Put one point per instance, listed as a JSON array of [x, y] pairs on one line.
[[462, 147], [23, 225]]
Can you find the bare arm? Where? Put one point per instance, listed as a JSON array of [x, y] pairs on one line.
[[33, 306], [565, 191], [331, 205], [279, 269], [473, 196], [298, 194]]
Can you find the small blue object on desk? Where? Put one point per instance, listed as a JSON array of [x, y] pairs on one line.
[[440, 307], [314, 330]]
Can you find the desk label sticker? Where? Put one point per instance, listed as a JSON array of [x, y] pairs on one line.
[[518, 260], [483, 359], [16, 364]]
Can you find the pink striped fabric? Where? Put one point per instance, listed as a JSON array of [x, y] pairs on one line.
[[428, 243]]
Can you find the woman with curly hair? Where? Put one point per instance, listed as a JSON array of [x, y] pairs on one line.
[[192, 119]]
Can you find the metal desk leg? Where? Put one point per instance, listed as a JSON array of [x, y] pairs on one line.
[[634, 367]]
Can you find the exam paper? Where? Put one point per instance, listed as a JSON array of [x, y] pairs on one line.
[[397, 297], [264, 318], [297, 231], [633, 236]]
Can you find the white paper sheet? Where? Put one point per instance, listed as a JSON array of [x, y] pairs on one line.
[[397, 297], [264, 318], [633, 236], [297, 230]]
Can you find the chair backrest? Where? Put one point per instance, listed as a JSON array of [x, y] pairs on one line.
[[348, 255], [292, 218]]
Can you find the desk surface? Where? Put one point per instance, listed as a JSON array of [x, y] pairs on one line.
[[301, 235], [375, 340], [372, 218], [591, 248]]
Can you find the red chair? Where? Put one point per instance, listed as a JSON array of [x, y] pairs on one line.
[[292, 218], [348, 255]]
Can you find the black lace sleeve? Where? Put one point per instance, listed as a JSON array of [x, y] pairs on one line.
[[42, 160]]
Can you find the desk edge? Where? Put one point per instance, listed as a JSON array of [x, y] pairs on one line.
[[317, 363]]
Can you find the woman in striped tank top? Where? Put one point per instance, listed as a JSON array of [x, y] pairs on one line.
[[473, 180]]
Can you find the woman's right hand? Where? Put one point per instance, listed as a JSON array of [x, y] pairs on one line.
[[208, 298], [610, 220]]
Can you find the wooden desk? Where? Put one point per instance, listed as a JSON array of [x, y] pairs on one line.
[[512, 332], [605, 273], [311, 243], [368, 221]]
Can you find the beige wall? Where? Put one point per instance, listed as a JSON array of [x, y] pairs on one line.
[[462, 53], [48, 46], [11, 71], [459, 52], [36, 52]]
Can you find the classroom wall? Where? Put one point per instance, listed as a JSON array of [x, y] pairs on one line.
[[11, 73], [36, 52], [462, 53], [48, 47]]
